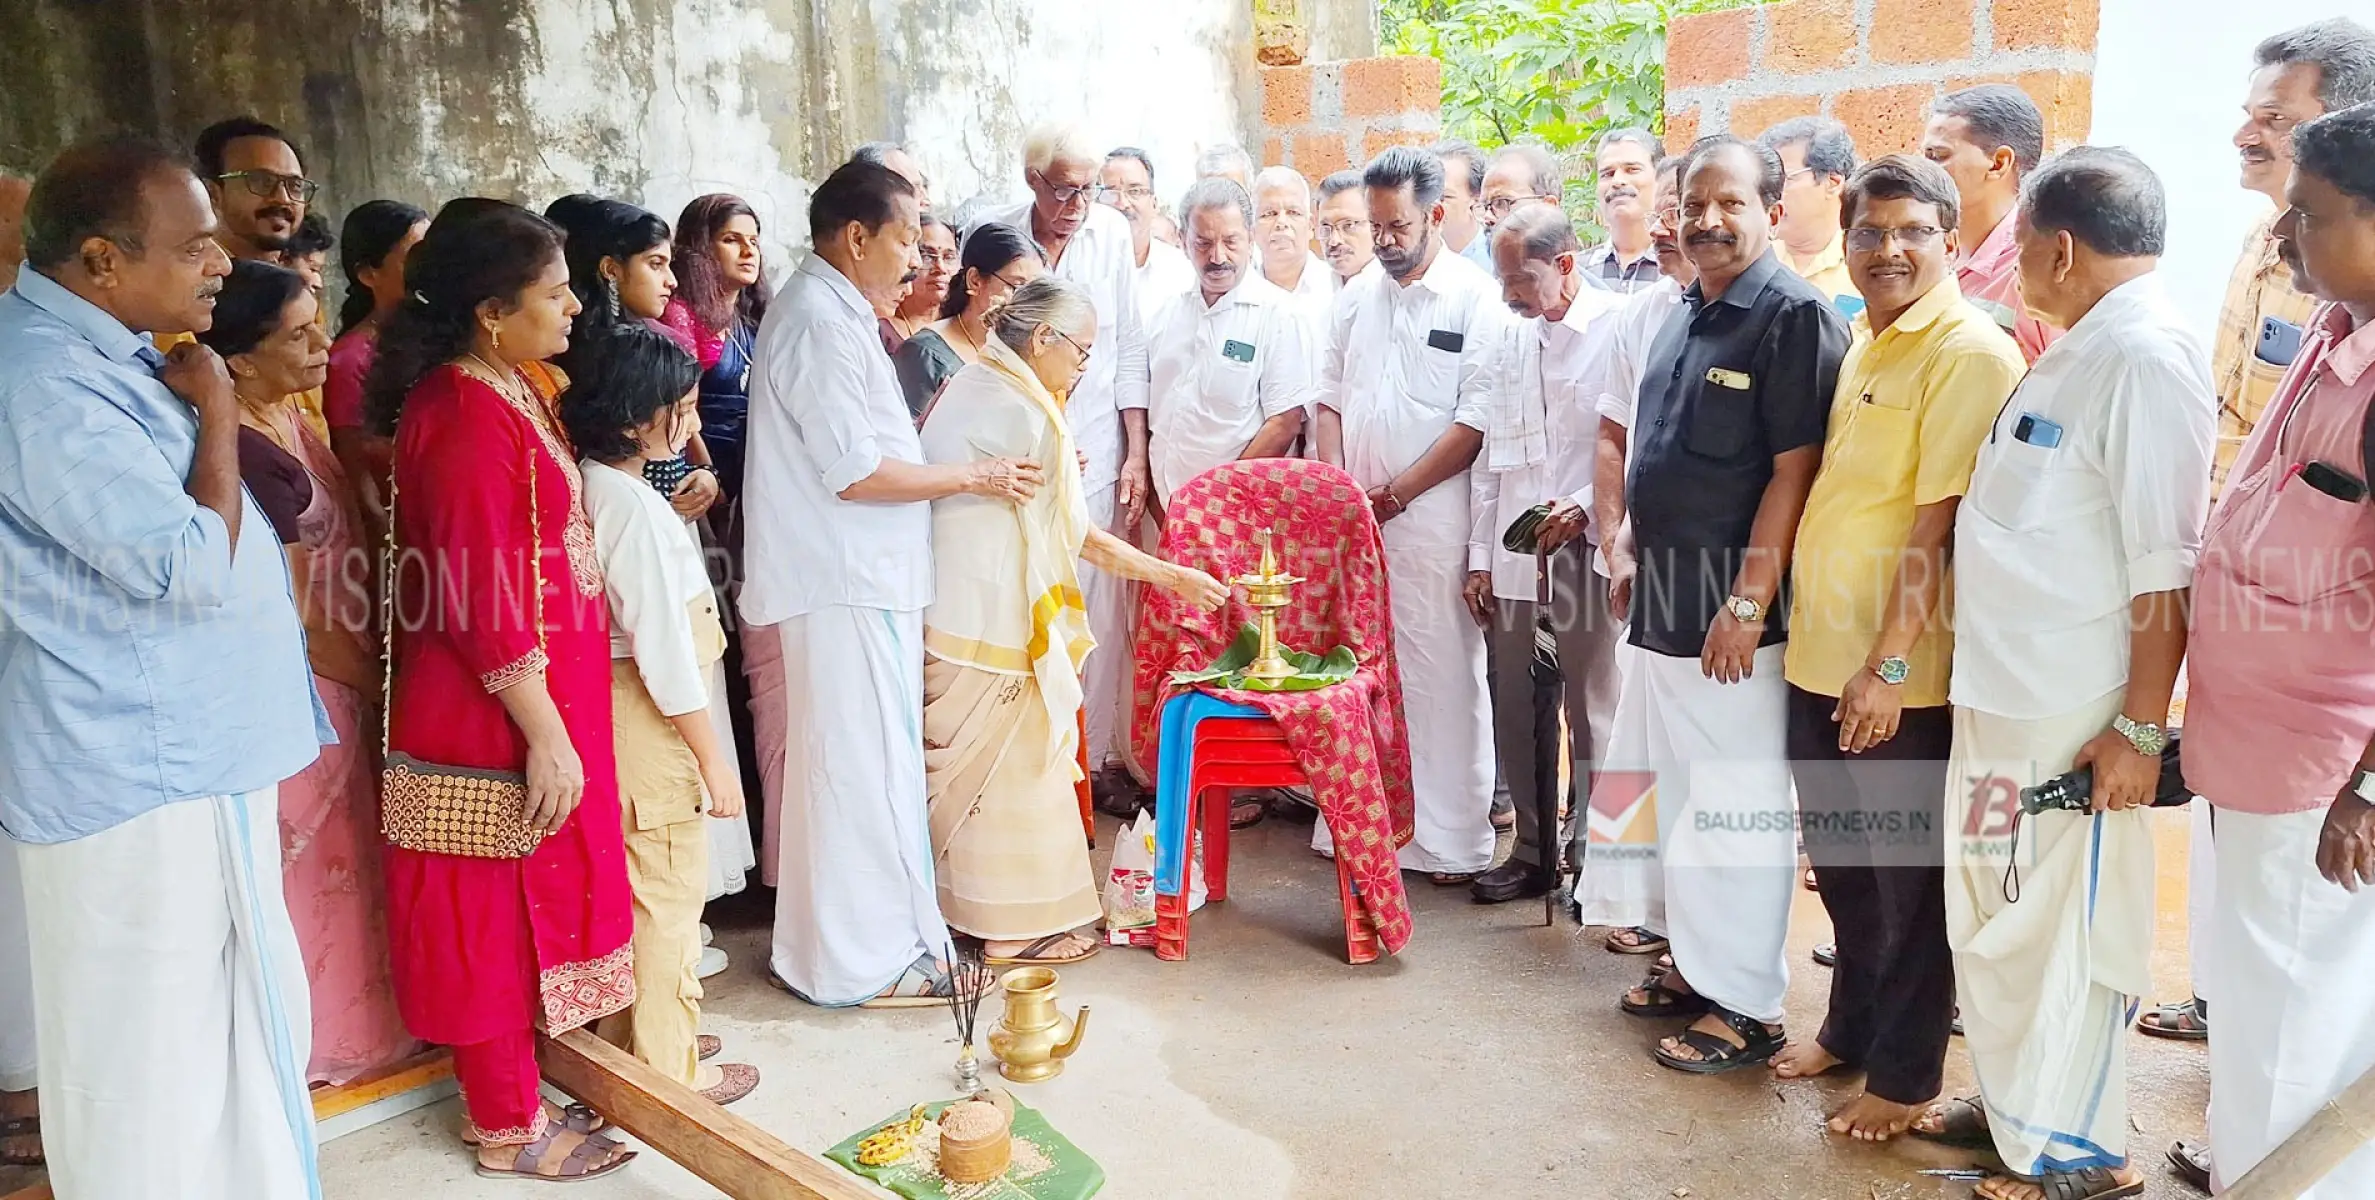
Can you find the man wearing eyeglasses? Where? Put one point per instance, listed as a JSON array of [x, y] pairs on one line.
[[1163, 270], [1868, 654], [1344, 226], [1090, 244], [259, 189], [1817, 156], [1626, 167]]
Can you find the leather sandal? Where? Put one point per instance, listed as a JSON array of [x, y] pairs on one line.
[[927, 983], [1716, 1055], [1664, 1001], [1962, 1125], [593, 1158], [2190, 1161], [1042, 953], [576, 1118], [2087, 1183], [2185, 1021], [1636, 940]]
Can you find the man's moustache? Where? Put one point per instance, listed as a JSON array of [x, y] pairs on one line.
[[911, 277], [1621, 191], [1710, 239], [282, 211]]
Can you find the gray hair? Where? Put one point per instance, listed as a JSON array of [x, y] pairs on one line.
[[1997, 115], [1465, 152], [2104, 197], [1224, 159], [1339, 183], [1635, 136], [876, 154], [1057, 303], [1284, 177], [1542, 230], [1830, 149], [1216, 192], [2342, 50], [1542, 170], [1046, 145]]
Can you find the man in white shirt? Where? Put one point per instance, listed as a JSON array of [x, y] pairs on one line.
[[1282, 220], [1163, 271], [1403, 398], [1226, 161], [1463, 183], [1090, 244], [1232, 361], [1626, 166], [1344, 226], [1539, 448], [838, 571], [2074, 552]]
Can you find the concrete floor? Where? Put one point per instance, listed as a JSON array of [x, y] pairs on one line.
[[1487, 1060]]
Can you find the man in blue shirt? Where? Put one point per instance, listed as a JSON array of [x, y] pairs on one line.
[[153, 693]]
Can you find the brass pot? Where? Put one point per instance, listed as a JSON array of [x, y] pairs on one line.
[[1032, 1039]]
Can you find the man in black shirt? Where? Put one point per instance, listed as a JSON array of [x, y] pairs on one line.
[[1734, 400]]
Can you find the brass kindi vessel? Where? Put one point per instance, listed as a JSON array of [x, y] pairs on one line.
[[1267, 593], [1032, 1039]]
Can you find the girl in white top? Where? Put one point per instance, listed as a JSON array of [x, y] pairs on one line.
[[634, 403]]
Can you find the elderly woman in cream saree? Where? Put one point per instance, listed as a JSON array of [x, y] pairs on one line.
[[1005, 638]]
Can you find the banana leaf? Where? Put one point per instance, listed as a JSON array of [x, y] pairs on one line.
[[1312, 672]]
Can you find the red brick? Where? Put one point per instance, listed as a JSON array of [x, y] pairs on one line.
[[2047, 24], [1286, 97], [2067, 98], [1959, 82], [1921, 31], [1320, 155], [1752, 117], [1682, 128], [1385, 87], [1805, 36], [1376, 141], [1708, 48], [1884, 120]]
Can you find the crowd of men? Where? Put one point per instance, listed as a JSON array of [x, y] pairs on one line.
[[1876, 496]]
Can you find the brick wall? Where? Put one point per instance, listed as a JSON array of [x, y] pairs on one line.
[[1322, 117], [1875, 65]]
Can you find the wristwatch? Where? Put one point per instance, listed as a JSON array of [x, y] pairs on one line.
[[2147, 739], [1893, 670], [1744, 610], [2362, 784]]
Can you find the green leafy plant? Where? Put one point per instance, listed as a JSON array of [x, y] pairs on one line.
[[1557, 72]]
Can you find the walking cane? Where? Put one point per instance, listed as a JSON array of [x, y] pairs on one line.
[[1545, 668], [2333, 1133]]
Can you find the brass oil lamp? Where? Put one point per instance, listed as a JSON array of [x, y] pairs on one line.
[[1267, 593]]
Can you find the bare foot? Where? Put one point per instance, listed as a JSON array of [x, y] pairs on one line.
[[2005, 1187], [1074, 945], [21, 1148], [1868, 1118], [1803, 1060]]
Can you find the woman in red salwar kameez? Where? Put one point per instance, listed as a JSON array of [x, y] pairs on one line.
[[502, 662]]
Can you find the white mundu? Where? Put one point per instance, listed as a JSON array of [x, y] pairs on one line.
[[834, 595], [1405, 364], [17, 1060], [1220, 372]]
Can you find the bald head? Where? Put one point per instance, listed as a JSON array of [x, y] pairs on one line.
[[13, 192]]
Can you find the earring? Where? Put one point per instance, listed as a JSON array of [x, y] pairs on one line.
[[610, 300], [495, 332]]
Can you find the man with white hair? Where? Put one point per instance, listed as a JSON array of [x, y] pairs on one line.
[[1163, 271], [1403, 401], [1090, 244], [1228, 161], [1231, 359], [901, 162], [1282, 221]]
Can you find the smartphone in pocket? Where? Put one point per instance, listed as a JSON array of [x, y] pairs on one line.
[[2335, 482], [2280, 342]]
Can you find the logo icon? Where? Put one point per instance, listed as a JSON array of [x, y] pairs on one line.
[[1623, 809]]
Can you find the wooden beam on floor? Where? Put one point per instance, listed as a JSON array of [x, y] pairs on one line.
[[2333, 1133], [39, 1191], [733, 1155]]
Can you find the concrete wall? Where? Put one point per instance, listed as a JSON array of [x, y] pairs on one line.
[[652, 100], [1875, 65]]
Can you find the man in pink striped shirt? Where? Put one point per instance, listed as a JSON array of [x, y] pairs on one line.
[[2280, 730], [1989, 138]]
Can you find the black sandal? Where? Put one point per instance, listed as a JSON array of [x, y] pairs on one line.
[[21, 1127], [1635, 940], [1664, 1001], [1716, 1055], [1964, 1127], [2087, 1183]]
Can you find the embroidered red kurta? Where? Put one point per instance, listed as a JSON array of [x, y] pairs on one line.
[[1350, 738], [497, 579]]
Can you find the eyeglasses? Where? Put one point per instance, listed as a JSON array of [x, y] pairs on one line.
[[1066, 196], [1343, 229], [1864, 239], [1503, 206], [1134, 192], [267, 184], [1077, 348], [941, 258]]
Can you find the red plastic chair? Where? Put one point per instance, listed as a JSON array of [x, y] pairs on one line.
[[1242, 752]]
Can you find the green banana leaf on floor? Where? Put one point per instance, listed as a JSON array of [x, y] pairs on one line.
[[1312, 672]]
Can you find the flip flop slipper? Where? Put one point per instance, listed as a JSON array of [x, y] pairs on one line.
[[21, 1127], [707, 1046], [739, 1080], [1036, 954], [1644, 942], [1826, 954], [1716, 1055], [1965, 1127]]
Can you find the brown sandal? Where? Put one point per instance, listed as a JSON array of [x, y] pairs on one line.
[[740, 1079], [576, 1118], [592, 1158]]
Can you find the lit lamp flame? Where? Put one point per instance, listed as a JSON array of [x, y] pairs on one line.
[[1267, 593]]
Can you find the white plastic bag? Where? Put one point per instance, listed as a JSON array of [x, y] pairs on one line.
[[1130, 880]]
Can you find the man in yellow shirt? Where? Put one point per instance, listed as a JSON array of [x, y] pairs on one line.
[[1869, 726], [1818, 154]]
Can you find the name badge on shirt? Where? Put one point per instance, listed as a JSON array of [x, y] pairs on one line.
[[1736, 380], [1236, 351], [1446, 339]]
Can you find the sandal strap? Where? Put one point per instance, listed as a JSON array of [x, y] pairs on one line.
[[582, 1159], [2086, 1183], [1749, 1028], [1712, 1049]]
